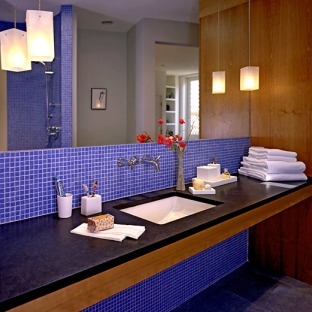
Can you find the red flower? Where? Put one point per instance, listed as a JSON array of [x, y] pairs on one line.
[[168, 142], [144, 138], [160, 121], [181, 121], [161, 139], [182, 144]]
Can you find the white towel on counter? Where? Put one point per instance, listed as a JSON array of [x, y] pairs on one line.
[[274, 166], [264, 176], [118, 233], [272, 158], [271, 152]]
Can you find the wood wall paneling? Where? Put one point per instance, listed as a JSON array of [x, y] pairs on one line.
[[224, 115], [280, 111]]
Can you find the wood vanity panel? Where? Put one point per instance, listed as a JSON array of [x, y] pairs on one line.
[[279, 244], [224, 115]]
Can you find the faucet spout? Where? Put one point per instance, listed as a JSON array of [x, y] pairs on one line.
[[151, 161]]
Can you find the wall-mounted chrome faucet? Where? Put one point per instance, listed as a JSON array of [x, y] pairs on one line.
[[151, 160], [133, 161]]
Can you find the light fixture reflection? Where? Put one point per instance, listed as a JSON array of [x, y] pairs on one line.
[[218, 82], [249, 75], [14, 55], [40, 37], [218, 77]]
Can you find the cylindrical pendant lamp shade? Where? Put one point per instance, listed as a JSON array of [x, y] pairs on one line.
[[249, 78], [40, 37], [218, 82], [14, 55]]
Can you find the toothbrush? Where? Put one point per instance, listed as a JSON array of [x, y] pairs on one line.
[[86, 189], [95, 184]]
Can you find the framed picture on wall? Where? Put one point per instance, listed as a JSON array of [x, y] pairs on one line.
[[98, 98]]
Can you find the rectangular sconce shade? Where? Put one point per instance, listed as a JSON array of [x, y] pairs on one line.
[[249, 78], [218, 82], [14, 56], [40, 36]]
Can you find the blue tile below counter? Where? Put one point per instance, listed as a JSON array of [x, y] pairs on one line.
[[168, 289]]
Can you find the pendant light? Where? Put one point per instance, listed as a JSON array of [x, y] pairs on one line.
[[40, 37], [218, 77], [14, 56], [249, 75]]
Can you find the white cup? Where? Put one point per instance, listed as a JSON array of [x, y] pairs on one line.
[[65, 205]]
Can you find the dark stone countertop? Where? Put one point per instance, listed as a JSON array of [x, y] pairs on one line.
[[40, 255]]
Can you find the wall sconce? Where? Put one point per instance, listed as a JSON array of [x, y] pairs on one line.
[[40, 37], [249, 75], [14, 56], [218, 77]]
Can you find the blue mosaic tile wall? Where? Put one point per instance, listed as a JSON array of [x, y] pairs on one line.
[[26, 96], [66, 79], [26, 177], [170, 288]]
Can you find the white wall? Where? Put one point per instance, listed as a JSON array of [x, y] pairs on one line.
[[102, 63], [141, 67], [3, 111]]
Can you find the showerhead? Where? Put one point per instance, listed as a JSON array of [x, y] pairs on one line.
[[46, 70]]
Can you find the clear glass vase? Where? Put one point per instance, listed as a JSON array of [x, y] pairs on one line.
[[180, 177]]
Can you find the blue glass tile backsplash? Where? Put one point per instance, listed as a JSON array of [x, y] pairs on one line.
[[26, 177]]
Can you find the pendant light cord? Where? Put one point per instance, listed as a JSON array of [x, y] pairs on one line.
[[249, 32], [218, 34], [39, 5]]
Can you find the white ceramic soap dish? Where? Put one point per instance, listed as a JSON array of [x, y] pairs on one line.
[[202, 192], [221, 181]]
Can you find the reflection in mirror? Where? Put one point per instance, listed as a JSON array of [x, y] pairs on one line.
[[177, 89], [118, 62]]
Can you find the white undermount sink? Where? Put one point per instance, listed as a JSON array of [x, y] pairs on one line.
[[168, 209]]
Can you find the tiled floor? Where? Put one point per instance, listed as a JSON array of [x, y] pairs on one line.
[[250, 289]]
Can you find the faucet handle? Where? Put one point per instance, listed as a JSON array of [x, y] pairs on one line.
[[133, 161], [121, 162], [156, 158]]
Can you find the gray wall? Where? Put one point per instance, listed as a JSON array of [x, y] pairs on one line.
[[102, 63], [141, 68]]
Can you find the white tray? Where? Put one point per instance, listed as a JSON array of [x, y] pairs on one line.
[[193, 191], [221, 181]]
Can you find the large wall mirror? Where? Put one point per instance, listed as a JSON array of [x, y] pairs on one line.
[[129, 66]]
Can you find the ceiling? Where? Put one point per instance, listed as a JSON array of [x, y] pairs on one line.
[[123, 13]]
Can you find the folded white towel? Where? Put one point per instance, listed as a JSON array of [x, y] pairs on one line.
[[118, 233], [260, 175], [274, 166], [269, 157], [271, 152]]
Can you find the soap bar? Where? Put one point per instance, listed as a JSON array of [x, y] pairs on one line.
[[100, 223], [198, 184]]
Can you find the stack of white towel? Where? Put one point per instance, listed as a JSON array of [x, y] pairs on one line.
[[272, 165]]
